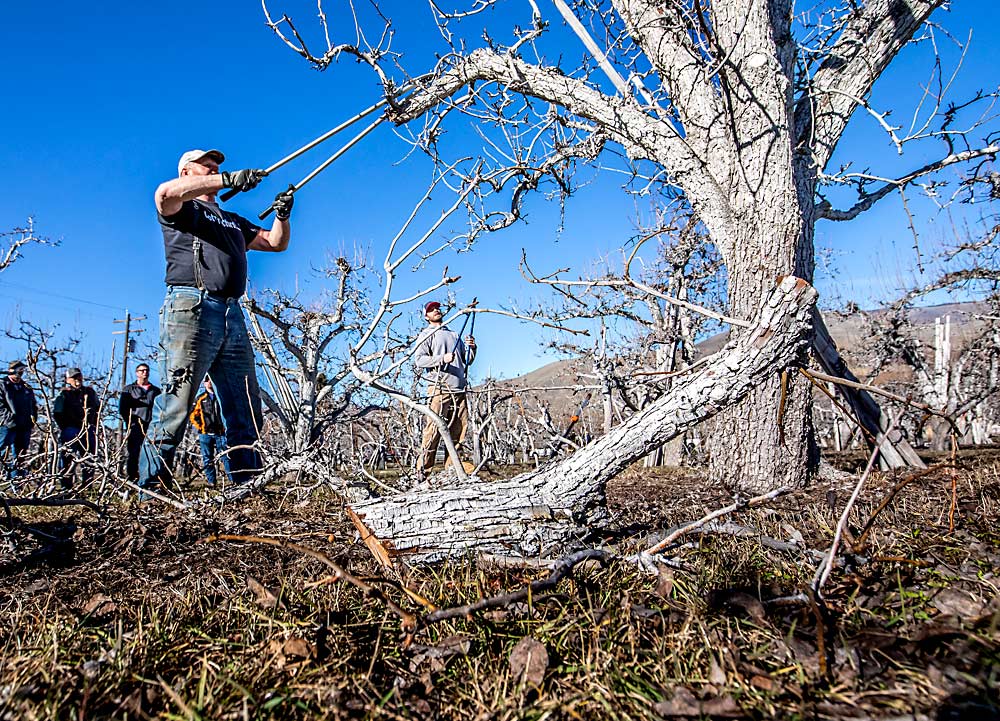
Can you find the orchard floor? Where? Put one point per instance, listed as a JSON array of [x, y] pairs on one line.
[[134, 616]]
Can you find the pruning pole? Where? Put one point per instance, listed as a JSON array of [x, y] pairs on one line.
[[326, 163], [323, 138]]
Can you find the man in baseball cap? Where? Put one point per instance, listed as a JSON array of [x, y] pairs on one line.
[[204, 332], [18, 412], [442, 357], [194, 156], [76, 411]]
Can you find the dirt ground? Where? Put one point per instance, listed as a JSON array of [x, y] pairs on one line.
[[135, 616]]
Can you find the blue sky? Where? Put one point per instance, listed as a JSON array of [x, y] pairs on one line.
[[100, 101]]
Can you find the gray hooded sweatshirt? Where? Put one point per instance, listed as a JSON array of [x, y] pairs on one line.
[[432, 344]]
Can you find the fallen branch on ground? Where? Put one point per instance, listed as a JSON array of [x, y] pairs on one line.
[[540, 511], [733, 508]]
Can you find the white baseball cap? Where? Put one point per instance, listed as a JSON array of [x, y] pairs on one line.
[[193, 156]]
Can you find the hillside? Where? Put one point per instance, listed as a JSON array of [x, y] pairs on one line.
[[848, 330]]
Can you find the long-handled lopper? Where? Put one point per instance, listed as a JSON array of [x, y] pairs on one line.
[[473, 304], [322, 138], [323, 166]]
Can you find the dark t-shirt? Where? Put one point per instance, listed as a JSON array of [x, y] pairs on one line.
[[224, 241]]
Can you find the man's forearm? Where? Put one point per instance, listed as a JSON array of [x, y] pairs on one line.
[[180, 190], [281, 233], [274, 240]]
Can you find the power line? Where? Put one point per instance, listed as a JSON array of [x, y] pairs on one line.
[[6, 283], [21, 301]]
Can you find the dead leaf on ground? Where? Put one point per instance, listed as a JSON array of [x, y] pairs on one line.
[[957, 603], [292, 651], [727, 599], [763, 683], [664, 581], [264, 597], [37, 585], [716, 676], [99, 605], [297, 647], [528, 661], [683, 704], [438, 654]]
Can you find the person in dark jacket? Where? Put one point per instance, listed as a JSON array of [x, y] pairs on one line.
[[135, 406], [206, 417], [76, 411], [18, 413]]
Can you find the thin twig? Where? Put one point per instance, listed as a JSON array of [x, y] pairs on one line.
[[826, 566], [561, 569], [867, 527], [737, 506]]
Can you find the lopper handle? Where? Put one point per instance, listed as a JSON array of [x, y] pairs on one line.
[[266, 212], [229, 194]]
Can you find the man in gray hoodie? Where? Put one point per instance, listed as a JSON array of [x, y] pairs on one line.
[[443, 357]]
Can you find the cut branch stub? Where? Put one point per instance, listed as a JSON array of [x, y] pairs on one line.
[[536, 511]]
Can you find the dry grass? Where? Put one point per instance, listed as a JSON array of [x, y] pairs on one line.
[[135, 619]]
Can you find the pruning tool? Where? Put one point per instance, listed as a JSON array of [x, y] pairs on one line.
[[472, 329], [322, 138]]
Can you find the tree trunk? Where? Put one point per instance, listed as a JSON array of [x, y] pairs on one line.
[[757, 445], [767, 439], [535, 511]]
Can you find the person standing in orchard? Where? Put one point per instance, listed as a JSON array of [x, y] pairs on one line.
[[18, 413], [202, 329], [443, 357]]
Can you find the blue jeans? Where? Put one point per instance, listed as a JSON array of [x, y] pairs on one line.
[[210, 445], [200, 334], [16, 439], [76, 444]]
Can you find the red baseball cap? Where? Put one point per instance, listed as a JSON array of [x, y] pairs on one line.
[[433, 305]]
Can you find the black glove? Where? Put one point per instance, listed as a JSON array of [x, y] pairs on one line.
[[242, 180], [283, 203]]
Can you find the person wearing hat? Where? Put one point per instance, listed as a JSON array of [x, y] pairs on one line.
[[135, 406], [442, 357], [76, 411], [202, 329], [18, 413]]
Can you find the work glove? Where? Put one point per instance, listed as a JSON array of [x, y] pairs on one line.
[[283, 203], [242, 180]]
